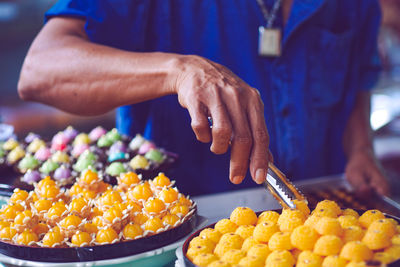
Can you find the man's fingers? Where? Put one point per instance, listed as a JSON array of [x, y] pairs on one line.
[[221, 129], [358, 180], [259, 154], [379, 183], [199, 123]]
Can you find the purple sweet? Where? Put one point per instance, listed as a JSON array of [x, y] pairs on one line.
[[43, 154], [31, 176], [62, 173], [118, 147], [145, 147], [96, 133], [30, 137], [79, 149], [70, 133]]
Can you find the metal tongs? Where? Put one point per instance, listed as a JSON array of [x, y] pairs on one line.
[[281, 188]]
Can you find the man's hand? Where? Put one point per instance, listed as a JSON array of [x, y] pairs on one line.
[[207, 89], [364, 173]]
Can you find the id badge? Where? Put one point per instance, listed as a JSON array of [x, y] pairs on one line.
[[269, 43]]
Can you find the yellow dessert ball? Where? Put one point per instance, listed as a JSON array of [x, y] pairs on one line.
[[204, 259], [52, 238], [81, 239], [243, 216], [202, 241], [369, 217], [302, 206], [269, 215], [140, 218], [153, 224], [106, 236], [352, 233], [197, 250], [4, 224], [18, 196], [131, 231], [211, 234], [248, 243], [328, 245], [308, 258], [180, 210], [170, 219], [129, 178], [42, 205], [222, 247], [225, 226], [90, 228], [71, 220], [334, 261], [141, 191], [219, 263], [312, 220], [280, 241], [325, 213], [383, 225], [251, 261], [289, 224], [348, 220], [393, 251], [233, 256], [161, 180], [233, 238], [396, 239], [383, 257], [112, 214], [376, 239], [245, 231], [154, 205], [350, 212], [279, 258], [260, 251], [264, 231], [356, 264], [356, 251], [169, 195], [291, 214], [329, 226], [304, 237], [27, 237], [329, 205]]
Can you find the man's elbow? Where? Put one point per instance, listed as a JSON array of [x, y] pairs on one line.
[[30, 85]]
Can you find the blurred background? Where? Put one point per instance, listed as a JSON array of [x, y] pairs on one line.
[[20, 21]]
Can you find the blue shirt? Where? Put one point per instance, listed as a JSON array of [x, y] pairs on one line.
[[329, 54]]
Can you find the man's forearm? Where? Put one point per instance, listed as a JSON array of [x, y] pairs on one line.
[[62, 64], [358, 134]]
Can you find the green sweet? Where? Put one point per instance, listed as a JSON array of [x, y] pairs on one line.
[[154, 155], [48, 166], [28, 162], [115, 169], [113, 135], [82, 164], [88, 155], [104, 142], [2, 152]]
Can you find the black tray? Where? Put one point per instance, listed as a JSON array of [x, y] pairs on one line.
[[101, 252], [189, 263]]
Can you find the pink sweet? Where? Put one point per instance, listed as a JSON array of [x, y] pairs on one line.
[[145, 147], [96, 133], [59, 141], [43, 154], [79, 149]]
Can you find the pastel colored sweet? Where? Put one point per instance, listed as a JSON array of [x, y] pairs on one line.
[[138, 162], [2, 152], [28, 162], [104, 142], [118, 147], [10, 144], [31, 176], [83, 164], [59, 139], [78, 149], [31, 136], [87, 154], [43, 154], [117, 156], [82, 138], [60, 157], [145, 147], [154, 155], [113, 135], [70, 133], [96, 133], [136, 142], [48, 166], [62, 173], [15, 155], [35, 145], [115, 168]]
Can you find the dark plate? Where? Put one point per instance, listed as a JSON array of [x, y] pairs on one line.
[[102, 252], [188, 263]]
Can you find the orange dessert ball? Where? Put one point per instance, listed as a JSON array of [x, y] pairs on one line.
[[4, 224], [23, 217], [184, 201], [71, 220], [245, 231], [27, 237], [89, 177], [76, 189], [47, 181], [52, 238], [170, 219], [56, 211], [329, 226], [225, 226], [168, 195], [161, 180], [329, 205], [7, 233], [264, 231], [110, 198], [131, 231], [369, 217], [41, 229], [106, 236], [243, 216], [50, 192], [383, 225], [180, 210], [356, 251], [81, 239], [9, 212], [141, 191], [90, 228], [153, 224], [302, 206], [211, 234], [42, 205], [77, 204], [304, 237], [129, 178], [268, 216], [328, 245], [352, 233], [112, 214], [98, 221], [140, 218], [18, 196], [154, 205]]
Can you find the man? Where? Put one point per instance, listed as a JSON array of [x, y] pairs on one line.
[[93, 56]]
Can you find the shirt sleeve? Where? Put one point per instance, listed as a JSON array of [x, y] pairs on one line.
[[370, 63], [70, 8]]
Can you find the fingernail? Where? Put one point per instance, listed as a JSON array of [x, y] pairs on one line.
[[237, 179], [260, 176]]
